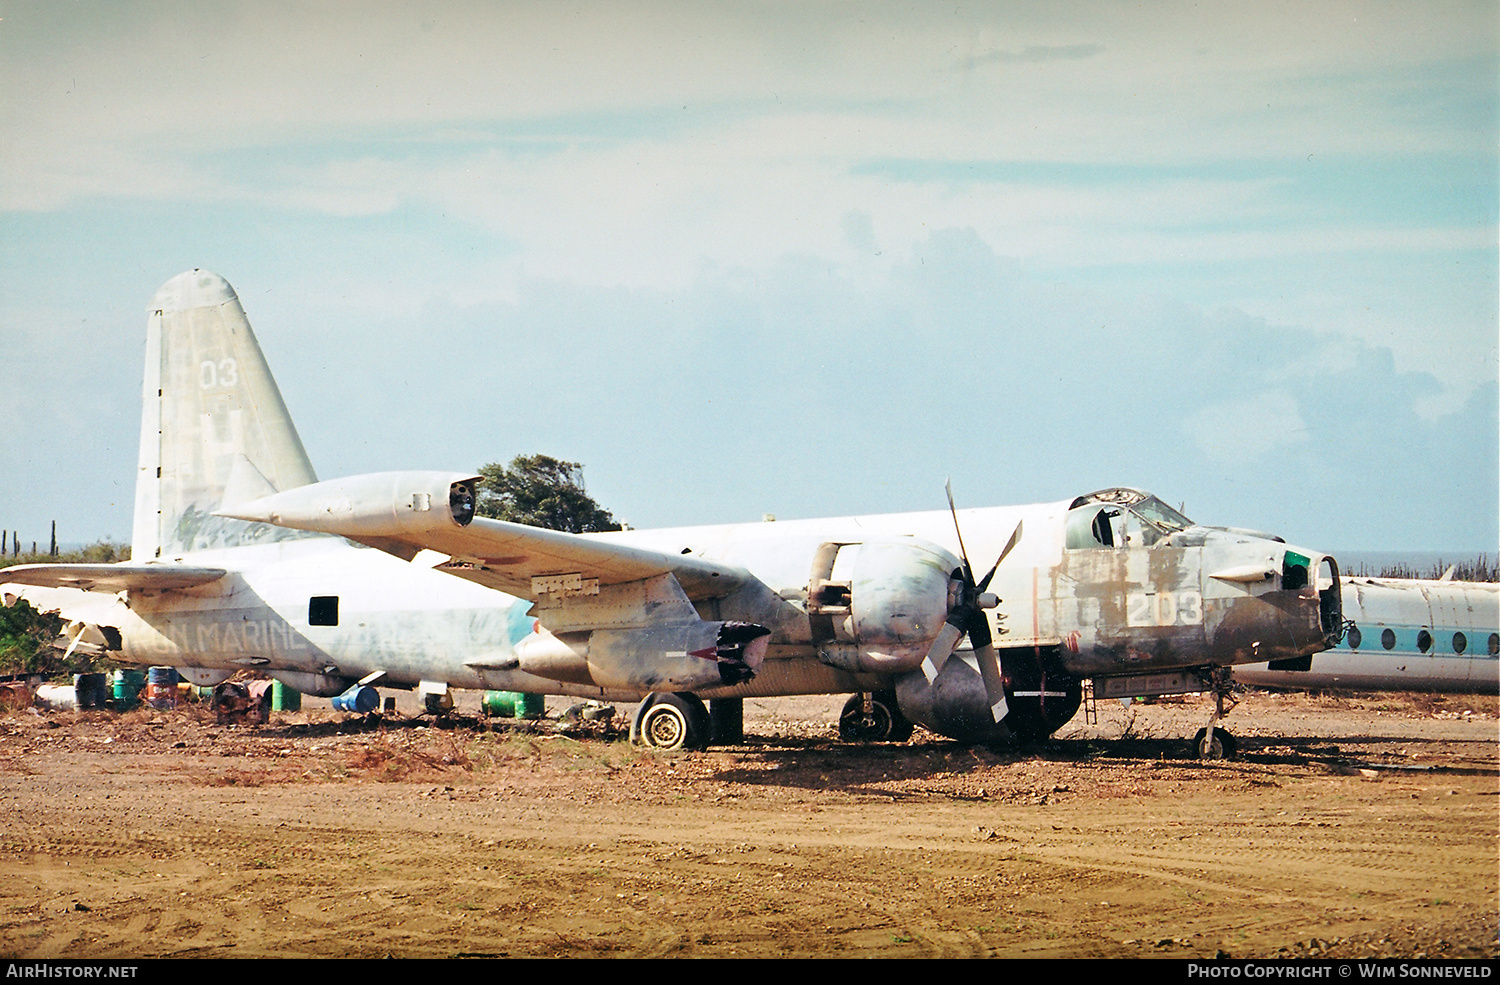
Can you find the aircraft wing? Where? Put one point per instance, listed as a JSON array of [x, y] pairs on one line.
[[403, 513], [529, 562], [110, 578]]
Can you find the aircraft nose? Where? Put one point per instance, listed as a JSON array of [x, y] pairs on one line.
[[1330, 599], [1274, 600], [1314, 579]]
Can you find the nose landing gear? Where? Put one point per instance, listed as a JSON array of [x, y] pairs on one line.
[[1213, 742]]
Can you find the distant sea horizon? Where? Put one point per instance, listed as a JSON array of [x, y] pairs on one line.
[[1422, 563]]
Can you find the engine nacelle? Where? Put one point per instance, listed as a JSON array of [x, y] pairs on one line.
[[877, 606], [1040, 694], [674, 656], [381, 504]]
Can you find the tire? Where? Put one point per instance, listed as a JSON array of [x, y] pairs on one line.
[[1219, 745], [885, 724], [671, 722], [1033, 719]]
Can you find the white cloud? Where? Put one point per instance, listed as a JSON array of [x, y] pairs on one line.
[[169, 80], [414, 163], [1245, 431]]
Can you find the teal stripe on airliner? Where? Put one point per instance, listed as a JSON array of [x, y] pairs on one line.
[[1477, 641]]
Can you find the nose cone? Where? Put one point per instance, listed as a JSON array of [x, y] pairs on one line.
[[1274, 601]]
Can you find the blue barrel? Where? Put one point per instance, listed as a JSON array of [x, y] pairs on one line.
[[161, 687], [359, 699]]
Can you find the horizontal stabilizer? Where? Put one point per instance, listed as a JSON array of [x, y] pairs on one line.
[[110, 577]]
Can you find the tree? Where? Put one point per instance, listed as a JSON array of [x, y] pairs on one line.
[[541, 492], [26, 634], [26, 637]]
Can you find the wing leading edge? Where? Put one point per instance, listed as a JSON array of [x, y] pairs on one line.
[[529, 562], [403, 513]]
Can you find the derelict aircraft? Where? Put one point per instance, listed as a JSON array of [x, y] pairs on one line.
[[1403, 634], [242, 559]]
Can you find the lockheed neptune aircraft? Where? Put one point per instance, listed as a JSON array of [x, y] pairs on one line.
[[242, 559], [1404, 634]]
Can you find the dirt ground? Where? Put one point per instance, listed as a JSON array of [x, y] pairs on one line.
[[1348, 827]]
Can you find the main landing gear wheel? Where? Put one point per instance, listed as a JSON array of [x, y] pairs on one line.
[[1043, 696], [1215, 744], [671, 721], [883, 722]]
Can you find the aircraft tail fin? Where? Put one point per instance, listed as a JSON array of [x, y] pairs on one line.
[[214, 429]]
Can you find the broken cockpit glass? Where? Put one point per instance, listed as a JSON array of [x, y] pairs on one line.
[[1114, 518]]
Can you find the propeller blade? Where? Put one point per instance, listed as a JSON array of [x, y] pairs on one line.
[[940, 651], [973, 622], [1010, 545], [988, 659], [962, 551], [994, 681]]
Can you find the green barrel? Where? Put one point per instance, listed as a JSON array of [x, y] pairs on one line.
[[513, 704], [497, 704], [128, 685], [285, 698]]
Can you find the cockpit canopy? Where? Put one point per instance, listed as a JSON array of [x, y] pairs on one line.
[[1121, 517]]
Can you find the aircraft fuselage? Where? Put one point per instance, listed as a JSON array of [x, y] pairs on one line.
[[328, 608]]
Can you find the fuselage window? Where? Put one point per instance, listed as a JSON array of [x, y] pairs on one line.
[[323, 610], [1460, 642], [1106, 522], [1388, 639], [1104, 527], [1494, 644], [1355, 638], [1424, 641]]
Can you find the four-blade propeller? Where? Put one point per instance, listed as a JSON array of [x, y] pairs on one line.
[[966, 618]]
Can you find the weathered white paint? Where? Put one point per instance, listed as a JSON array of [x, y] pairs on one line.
[[240, 560]]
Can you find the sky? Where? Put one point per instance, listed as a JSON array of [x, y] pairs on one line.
[[804, 259]]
